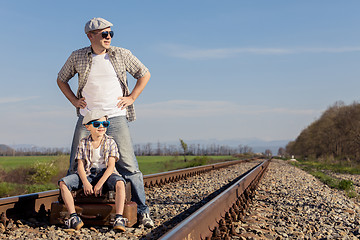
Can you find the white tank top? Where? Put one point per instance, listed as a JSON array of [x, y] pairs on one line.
[[97, 160], [102, 88]]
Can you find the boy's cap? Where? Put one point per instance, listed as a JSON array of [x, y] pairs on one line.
[[93, 115], [97, 23]]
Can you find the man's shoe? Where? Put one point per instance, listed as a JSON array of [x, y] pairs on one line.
[[74, 222], [146, 220], [119, 224]]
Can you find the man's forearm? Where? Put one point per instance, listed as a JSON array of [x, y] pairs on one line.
[[140, 85], [69, 94], [66, 90]]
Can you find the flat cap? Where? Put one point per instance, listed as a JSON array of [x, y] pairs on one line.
[[93, 115], [97, 23]]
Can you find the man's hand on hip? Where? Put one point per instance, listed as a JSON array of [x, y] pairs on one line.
[[80, 103], [125, 102]]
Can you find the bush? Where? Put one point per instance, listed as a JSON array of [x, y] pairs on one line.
[[39, 187], [331, 182], [198, 161], [202, 159], [42, 172], [18, 175], [6, 189], [352, 194], [346, 184]]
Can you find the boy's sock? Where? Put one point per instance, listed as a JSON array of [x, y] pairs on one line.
[[72, 215], [118, 216]]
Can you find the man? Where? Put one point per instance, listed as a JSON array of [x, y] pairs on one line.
[[102, 84]]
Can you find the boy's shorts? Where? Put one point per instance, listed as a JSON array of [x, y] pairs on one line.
[[73, 181]]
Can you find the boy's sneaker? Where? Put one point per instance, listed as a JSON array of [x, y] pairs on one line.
[[119, 224], [146, 220], [74, 222]]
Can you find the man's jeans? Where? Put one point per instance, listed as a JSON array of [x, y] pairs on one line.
[[127, 165]]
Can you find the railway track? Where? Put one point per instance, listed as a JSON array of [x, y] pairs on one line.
[[212, 217]]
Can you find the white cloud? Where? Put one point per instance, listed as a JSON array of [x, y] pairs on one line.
[[327, 50], [187, 52], [181, 108], [5, 100]]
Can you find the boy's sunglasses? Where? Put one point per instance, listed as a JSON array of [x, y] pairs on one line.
[[97, 124], [106, 33]]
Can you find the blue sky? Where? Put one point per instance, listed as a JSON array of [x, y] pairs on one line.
[[220, 70]]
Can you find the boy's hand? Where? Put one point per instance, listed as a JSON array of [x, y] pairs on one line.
[[88, 189], [98, 189]]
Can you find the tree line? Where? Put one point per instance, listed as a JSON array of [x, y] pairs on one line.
[[148, 149], [33, 151], [163, 149], [335, 135]]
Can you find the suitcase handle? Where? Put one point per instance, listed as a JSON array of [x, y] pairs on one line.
[[97, 216]]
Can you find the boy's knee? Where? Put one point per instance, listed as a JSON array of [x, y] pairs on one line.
[[62, 185], [119, 185]]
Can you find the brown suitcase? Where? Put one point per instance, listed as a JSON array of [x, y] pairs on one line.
[[102, 214], [93, 210]]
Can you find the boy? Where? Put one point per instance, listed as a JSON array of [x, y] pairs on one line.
[[96, 156]]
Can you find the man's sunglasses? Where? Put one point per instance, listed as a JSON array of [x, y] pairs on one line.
[[106, 33], [97, 124]]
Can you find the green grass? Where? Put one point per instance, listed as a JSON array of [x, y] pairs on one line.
[[8, 163], [47, 170], [7, 189], [331, 182], [156, 164], [345, 185], [344, 167], [147, 164], [11, 189], [318, 170], [39, 187]]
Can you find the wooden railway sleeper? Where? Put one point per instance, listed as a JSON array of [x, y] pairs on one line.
[[223, 226], [228, 219], [237, 212], [239, 209], [233, 214], [220, 234], [3, 218], [216, 234]]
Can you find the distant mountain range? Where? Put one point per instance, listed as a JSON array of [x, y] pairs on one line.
[[23, 146], [5, 149], [257, 145]]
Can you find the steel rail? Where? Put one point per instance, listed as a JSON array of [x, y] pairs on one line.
[[175, 175], [204, 222], [24, 206], [28, 205]]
